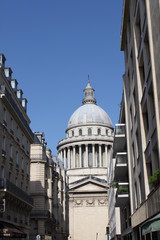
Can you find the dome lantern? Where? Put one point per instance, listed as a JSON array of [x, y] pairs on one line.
[[88, 94]]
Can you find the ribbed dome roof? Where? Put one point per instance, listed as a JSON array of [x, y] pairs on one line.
[[89, 114]]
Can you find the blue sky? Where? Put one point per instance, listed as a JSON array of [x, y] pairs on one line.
[[52, 46]]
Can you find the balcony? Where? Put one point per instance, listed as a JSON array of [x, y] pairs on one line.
[[40, 214], [122, 195], [121, 167], [9, 187], [119, 144]]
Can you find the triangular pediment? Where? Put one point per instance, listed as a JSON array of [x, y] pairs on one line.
[[88, 185]]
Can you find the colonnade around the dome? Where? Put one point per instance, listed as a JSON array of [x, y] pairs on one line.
[[85, 156]]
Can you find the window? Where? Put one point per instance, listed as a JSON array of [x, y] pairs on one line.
[[140, 188], [16, 181], [27, 146], [145, 120], [134, 103], [131, 123], [135, 191], [2, 172], [11, 125], [137, 145], [89, 131], [11, 151], [80, 132], [99, 131], [4, 143], [133, 156], [22, 140], [4, 116], [22, 163], [151, 101], [146, 48], [142, 71], [72, 133], [149, 166], [10, 174], [27, 168], [138, 29], [17, 158], [17, 134]]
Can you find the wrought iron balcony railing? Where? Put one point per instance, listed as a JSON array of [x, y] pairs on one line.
[[8, 186]]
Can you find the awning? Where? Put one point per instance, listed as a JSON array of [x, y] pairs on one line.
[[10, 231], [152, 225]]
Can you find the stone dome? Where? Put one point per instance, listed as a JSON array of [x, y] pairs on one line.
[[89, 112]]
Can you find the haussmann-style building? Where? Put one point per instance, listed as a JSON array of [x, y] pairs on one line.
[[140, 41], [15, 139]]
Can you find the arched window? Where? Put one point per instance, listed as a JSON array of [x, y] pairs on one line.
[[80, 132], [89, 131], [99, 131]]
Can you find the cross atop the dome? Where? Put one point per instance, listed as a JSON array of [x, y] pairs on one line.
[[88, 79]]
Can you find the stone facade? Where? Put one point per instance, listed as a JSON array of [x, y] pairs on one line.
[[86, 153], [49, 216], [15, 138], [140, 35]]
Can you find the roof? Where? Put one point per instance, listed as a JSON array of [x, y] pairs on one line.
[[89, 112]]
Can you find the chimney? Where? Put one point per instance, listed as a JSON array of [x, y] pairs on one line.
[[2, 60]]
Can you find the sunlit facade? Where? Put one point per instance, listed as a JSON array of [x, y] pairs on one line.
[[86, 152], [140, 41]]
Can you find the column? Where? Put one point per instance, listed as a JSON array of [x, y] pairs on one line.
[[109, 155], [65, 165], [93, 155], [69, 158], [74, 157], [96, 156], [61, 153], [106, 156], [80, 156], [59, 156], [86, 165], [100, 156]]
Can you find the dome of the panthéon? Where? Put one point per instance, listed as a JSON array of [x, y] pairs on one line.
[[89, 113]]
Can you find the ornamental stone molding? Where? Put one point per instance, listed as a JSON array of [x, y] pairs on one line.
[[90, 202], [102, 202]]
